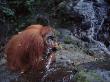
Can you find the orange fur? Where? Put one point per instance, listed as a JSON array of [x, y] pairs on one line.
[[25, 50]]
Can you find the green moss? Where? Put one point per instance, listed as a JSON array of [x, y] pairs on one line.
[[89, 76], [67, 40], [57, 33], [81, 77]]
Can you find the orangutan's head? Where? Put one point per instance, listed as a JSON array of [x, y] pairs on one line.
[[50, 41]]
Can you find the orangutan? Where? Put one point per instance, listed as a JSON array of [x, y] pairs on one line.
[[31, 49]]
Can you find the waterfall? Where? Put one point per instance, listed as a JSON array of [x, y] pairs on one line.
[[92, 14]]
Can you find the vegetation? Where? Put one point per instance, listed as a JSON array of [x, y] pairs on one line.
[[88, 76], [67, 40], [21, 13]]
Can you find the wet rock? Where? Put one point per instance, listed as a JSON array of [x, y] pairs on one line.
[[98, 50], [87, 19], [104, 33], [90, 12], [64, 34], [72, 55], [109, 48], [90, 28], [91, 47], [2, 61], [6, 75], [54, 74], [60, 74], [93, 76], [84, 55]]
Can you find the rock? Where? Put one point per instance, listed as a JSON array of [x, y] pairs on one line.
[[109, 48], [92, 47], [2, 61], [87, 19], [90, 12], [92, 76], [98, 49], [104, 33]]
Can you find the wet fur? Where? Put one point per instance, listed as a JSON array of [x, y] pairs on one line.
[[25, 50]]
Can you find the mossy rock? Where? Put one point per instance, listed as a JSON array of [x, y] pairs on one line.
[[87, 76], [67, 40]]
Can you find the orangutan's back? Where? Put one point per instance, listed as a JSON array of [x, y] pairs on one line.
[[23, 47]]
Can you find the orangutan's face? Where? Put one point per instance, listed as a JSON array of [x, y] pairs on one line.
[[51, 43]]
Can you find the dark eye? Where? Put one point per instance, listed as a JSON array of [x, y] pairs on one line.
[[51, 37]]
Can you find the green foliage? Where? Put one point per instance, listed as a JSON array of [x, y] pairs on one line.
[[30, 5], [57, 33], [7, 11], [29, 2], [39, 1], [21, 13], [90, 76], [67, 40]]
